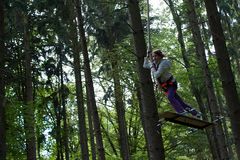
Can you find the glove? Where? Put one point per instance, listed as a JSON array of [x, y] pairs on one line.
[[152, 65], [149, 52]]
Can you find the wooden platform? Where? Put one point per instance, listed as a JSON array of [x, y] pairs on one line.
[[184, 120]]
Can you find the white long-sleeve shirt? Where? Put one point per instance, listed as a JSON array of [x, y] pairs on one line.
[[162, 70]]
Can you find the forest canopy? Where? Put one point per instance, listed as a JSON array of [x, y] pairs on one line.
[[73, 86]]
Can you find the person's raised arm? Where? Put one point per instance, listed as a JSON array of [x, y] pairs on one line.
[[147, 62], [164, 66]]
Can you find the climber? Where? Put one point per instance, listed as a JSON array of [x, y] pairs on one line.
[[160, 68]]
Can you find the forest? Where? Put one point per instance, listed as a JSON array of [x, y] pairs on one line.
[[73, 86]]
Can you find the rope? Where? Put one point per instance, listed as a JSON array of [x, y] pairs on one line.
[[149, 49]]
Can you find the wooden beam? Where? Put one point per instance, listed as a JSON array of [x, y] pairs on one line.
[[185, 120]]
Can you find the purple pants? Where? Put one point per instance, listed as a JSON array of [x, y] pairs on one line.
[[177, 102]]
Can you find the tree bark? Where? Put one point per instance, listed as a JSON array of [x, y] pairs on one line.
[[150, 113], [224, 121], [122, 129], [89, 83], [29, 120], [80, 105], [227, 78], [64, 111], [83, 139], [3, 145], [57, 110], [141, 114], [200, 51], [233, 46], [91, 130], [194, 89]]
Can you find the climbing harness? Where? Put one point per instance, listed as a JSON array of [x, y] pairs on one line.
[[167, 84]]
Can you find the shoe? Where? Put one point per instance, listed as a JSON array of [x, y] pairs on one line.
[[190, 110], [184, 113], [199, 115]]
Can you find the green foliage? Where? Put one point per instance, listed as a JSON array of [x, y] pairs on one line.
[[15, 133], [109, 39], [184, 143]]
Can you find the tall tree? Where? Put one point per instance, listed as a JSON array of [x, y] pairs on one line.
[[195, 90], [227, 77], [3, 145], [29, 120], [108, 34], [120, 109], [63, 94], [58, 136], [89, 83], [200, 51], [150, 114], [83, 139], [91, 130], [231, 19]]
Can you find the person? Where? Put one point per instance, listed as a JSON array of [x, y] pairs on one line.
[[160, 68]]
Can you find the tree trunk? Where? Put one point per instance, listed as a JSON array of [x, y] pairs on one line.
[[64, 111], [89, 83], [200, 50], [194, 89], [150, 113], [29, 120], [224, 121], [80, 105], [91, 130], [142, 115], [3, 145], [233, 46], [228, 82], [57, 110], [79, 94], [83, 139], [124, 147]]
